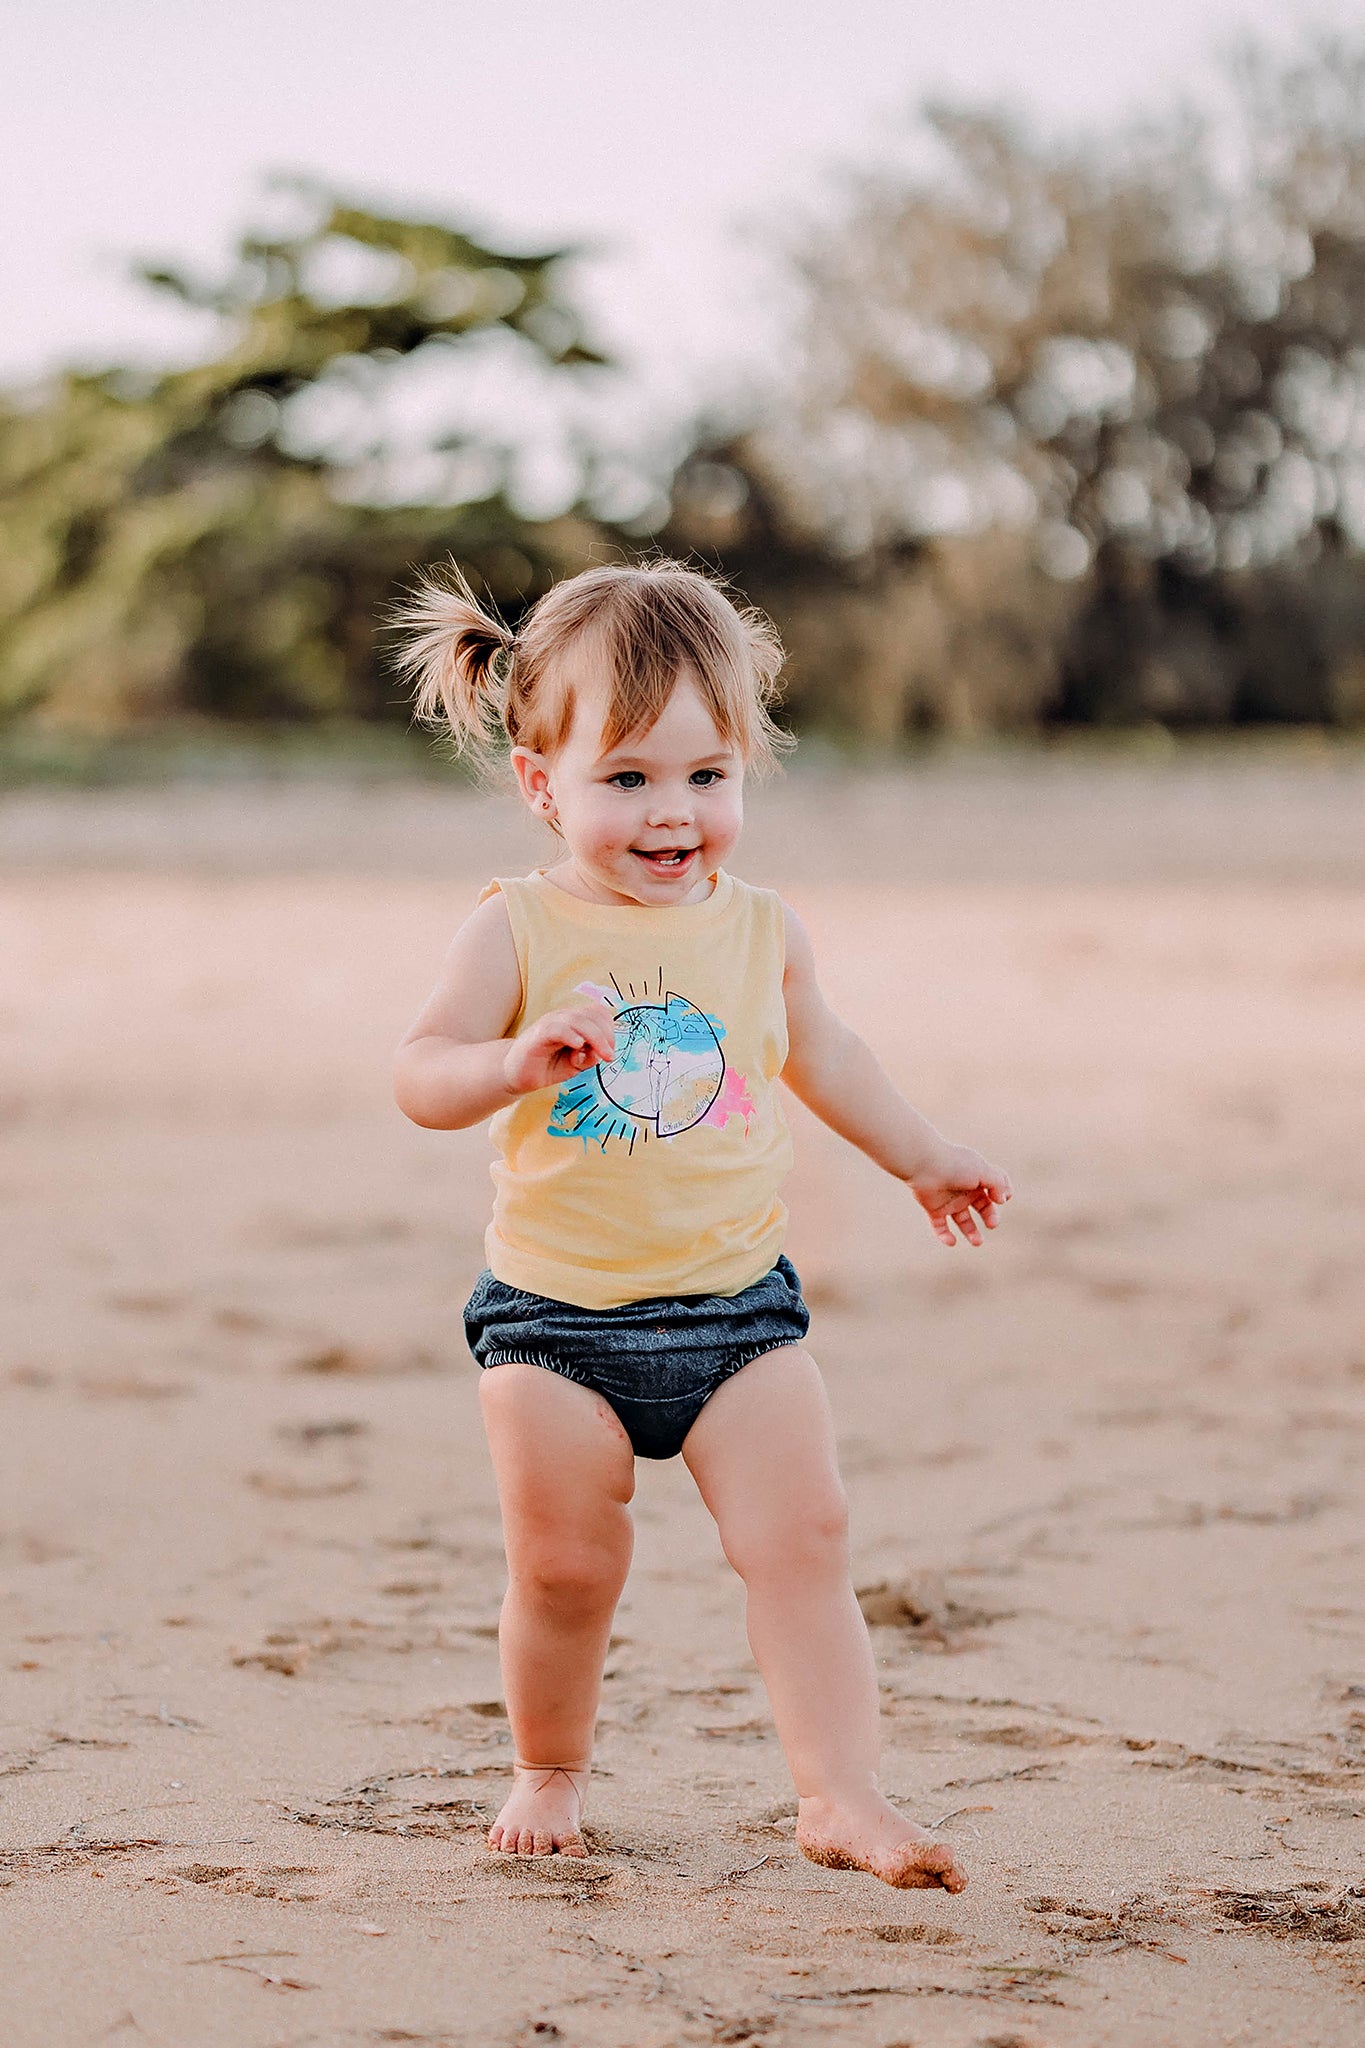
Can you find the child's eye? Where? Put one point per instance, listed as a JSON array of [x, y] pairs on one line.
[[706, 777], [628, 778]]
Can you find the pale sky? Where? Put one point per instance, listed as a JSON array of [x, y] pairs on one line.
[[668, 133]]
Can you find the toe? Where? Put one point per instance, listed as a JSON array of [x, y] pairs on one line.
[[495, 1835], [940, 1868], [542, 1843], [526, 1843], [573, 1845]]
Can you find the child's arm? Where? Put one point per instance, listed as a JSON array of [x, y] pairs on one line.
[[839, 1077], [457, 1065]]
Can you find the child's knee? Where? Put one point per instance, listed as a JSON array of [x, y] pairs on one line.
[[806, 1540], [570, 1578]]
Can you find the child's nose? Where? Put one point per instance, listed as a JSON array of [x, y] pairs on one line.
[[672, 807]]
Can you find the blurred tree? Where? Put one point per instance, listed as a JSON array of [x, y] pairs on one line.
[[1077, 431], [1072, 432], [197, 541]]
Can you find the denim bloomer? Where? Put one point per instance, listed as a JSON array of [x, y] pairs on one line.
[[656, 1363]]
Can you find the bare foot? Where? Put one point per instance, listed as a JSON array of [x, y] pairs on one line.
[[542, 1812], [866, 1833]]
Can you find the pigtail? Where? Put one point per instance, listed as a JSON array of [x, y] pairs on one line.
[[456, 656]]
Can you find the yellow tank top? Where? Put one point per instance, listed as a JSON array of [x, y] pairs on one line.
[[656, 1174]]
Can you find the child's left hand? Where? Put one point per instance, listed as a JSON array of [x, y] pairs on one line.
[[958, 1187]]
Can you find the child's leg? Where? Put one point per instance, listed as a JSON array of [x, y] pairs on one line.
[[762, 1453], [565, 1474]]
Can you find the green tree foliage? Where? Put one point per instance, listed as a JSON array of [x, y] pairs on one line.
[[171, 543], [1077, 431]]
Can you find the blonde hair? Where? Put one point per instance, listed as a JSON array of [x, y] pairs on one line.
[[635, 627]]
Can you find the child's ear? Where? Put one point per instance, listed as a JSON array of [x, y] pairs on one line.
[[532, 771]]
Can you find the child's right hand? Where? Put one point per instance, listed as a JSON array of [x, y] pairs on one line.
[[559, 1045]]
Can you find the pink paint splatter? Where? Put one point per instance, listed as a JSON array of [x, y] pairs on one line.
[[734, 1099], [595, 988]]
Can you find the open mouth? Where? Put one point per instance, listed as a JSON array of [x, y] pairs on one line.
[[665, 860]]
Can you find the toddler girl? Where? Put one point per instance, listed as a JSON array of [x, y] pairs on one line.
[[624, 1016]]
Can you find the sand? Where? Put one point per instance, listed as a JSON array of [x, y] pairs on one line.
[[1105, 1475]]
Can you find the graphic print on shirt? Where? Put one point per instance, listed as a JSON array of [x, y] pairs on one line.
[[668, 1074]]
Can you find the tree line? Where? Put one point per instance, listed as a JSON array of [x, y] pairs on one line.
[[1067, 433]]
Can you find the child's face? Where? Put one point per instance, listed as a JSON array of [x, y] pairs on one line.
[[651, 820]]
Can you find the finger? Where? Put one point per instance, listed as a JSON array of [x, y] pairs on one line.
[[986, 1210], [943, 1231], [597, 1032], [967, 1224], [997, 1186], [589, 1041], [562, 1027]]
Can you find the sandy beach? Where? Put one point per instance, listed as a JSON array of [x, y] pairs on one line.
[[1105, 1475]]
